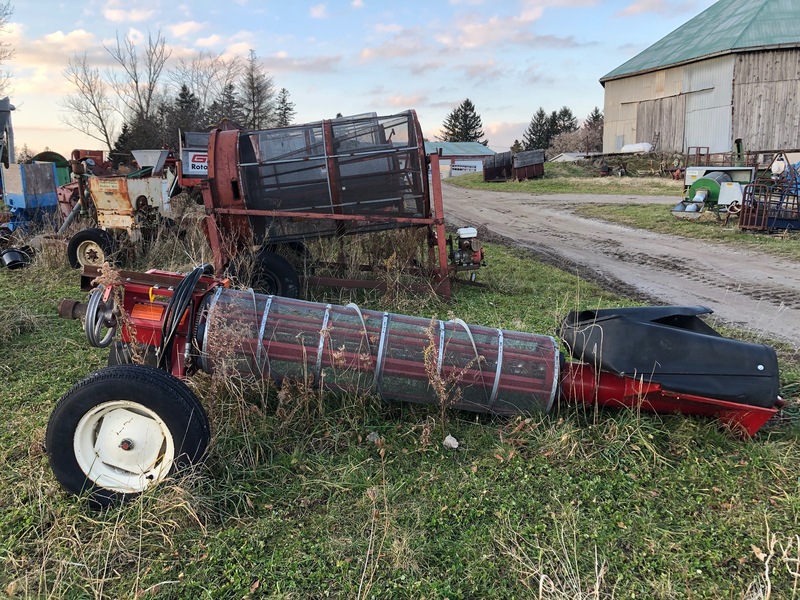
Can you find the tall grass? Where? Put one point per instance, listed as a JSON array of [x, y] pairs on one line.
[[307, 494]]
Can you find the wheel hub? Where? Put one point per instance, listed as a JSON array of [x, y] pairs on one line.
[[120, 432], [123, 446], [89, 253]]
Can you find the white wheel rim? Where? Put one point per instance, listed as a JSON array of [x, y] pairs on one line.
[[123, 446], [90, 253]]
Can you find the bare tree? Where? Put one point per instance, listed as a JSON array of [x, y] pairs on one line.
[[6, 51], [257, 90], [90, 110], [137, 84], [206, 75]]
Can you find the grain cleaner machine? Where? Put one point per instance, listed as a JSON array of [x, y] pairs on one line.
[[715, 188], [283, 187], [129, 426], [122, 209]]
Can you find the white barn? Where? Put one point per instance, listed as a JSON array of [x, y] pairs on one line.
[[732, 72]]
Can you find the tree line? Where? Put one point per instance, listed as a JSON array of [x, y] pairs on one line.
[[142, 104], [555, 132]]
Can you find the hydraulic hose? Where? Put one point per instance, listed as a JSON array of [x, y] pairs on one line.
[[180, 301]]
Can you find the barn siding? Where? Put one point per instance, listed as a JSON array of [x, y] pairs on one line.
[[708, 86], [766, 96], [664, 115], [622, 101], [690, 105]]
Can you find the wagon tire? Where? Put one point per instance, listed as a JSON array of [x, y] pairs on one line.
[[267, 273], [90, 248], [122, 430]]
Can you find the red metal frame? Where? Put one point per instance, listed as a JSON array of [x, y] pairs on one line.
[[228, 228], [579, 382]]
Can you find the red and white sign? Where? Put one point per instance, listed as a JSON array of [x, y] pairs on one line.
[[195, 164]]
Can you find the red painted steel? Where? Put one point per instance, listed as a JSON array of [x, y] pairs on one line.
[[349, 349], [242, 194], [581, 383]]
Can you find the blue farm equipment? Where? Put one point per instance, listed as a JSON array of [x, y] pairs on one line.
[[29, 190]]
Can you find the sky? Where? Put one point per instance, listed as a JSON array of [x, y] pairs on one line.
[[352, 56]]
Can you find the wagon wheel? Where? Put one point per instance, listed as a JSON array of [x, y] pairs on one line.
[[268, 273], [122, 430], [90, 248]]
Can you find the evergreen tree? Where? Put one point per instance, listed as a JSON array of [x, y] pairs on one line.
[[226, 106], [517, 146], [184, 115], [538, 134], [284, 109], [25, 154], [256, 92], [565, 121], [463, 124], [595, 120], [144, 134], [593, 131]]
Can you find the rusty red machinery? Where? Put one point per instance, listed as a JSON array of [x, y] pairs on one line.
[[283, 187], [129, 426]]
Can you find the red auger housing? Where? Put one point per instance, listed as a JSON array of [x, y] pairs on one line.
[[135, 423], [658, 359]]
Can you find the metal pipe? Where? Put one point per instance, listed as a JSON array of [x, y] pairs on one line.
[[70, 217]]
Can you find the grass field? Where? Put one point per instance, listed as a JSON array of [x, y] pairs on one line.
[[566, 178], [296, 501]]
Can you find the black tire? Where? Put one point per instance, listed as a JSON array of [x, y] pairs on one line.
[[5, 236], [130, 404], [90, 247], [273, 274]]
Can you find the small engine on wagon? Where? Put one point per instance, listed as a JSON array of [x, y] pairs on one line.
[[466, 250]]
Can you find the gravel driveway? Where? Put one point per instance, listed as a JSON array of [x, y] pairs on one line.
[[745, 289]]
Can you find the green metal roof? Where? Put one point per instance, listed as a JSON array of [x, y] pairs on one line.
[[459, 148], [724, 27]]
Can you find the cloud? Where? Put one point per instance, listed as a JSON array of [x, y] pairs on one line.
[[127, 11], [281, 62], [534, 75], [186, 28], [502, 134], [318, 11], [357, 4], [399, 42], [476, 31], [206, 42], [388, 28], [423, 68], [71, 42], [404, 101], [53, 50], [661, 7], [644, 6], [238, 49], [483, 72]]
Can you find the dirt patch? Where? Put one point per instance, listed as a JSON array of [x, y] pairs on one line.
[[746, 289]]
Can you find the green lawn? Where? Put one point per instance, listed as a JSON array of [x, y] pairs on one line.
[[565, 178], [296, 502]]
